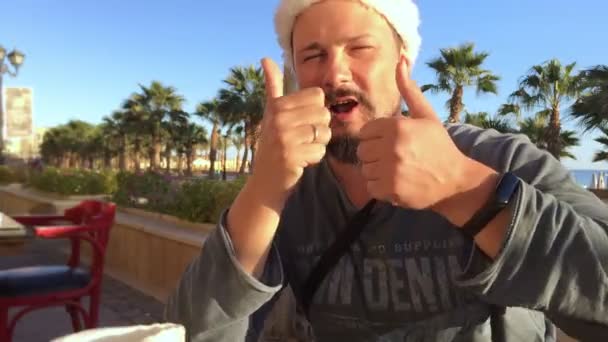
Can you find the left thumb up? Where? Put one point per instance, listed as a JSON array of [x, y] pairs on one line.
[[417, 104]]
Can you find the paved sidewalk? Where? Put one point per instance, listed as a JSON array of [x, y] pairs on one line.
[[120, 304]]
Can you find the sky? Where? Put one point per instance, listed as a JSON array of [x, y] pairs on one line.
[[83, 58]]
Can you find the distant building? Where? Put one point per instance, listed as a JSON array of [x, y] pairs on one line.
[[22, 139]]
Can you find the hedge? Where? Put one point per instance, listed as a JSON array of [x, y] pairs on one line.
[[13, 175], [193, 199], [74, 181]]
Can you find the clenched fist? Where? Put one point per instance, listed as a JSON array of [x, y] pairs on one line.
[[295, 131]]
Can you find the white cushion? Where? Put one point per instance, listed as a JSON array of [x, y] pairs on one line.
[[137, 333]]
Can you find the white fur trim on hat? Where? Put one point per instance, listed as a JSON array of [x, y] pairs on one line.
[[401, 14]]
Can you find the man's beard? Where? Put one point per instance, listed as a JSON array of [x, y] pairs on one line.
[[344, 147]]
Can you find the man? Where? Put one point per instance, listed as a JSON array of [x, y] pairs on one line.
[[537, 244]]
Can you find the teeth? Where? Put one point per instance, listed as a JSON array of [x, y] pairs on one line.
[[343, 102]]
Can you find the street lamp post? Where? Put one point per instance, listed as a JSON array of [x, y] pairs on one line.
[[15, 59]]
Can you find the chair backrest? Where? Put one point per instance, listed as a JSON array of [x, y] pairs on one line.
[[105, 218], [83, 210], [94, 212]]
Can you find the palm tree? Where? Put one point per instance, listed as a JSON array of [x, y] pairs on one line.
[[52, 149], [238, 140], [173, 137], [536, 127], [191, 136], [457, 68], [225, 142], [78, 134], [545, 89], [160, 104], [483, 120], [209, 111], [602, 155], [93, 147], [242, 102], [591, 109], [568, 139], [71, 145], [134, 118], [116, 130]]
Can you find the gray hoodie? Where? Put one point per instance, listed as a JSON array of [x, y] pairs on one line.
[[412, 276]]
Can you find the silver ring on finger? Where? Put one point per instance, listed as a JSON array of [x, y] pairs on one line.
[[315, 133]]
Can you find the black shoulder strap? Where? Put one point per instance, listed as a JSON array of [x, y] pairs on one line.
[[333, 253], [497, 324]]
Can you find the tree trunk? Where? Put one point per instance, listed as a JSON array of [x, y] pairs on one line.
[[122, 154], [224, 159], [122, 161], [189, 159], [238, 158], [254, 143], [180, 162], [155, 165], [213, 150], [456, 105], [107, 160], [554, 134], [156, 148], [247, 141], [168, 158], [73, 161], [136, 150], [245, 157], [91, 163]]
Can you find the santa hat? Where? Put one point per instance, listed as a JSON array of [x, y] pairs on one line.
[[401, 14]]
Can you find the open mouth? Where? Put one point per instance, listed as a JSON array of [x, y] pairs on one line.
[[342, 106]]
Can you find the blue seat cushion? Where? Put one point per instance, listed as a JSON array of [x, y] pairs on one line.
[[40, 280]]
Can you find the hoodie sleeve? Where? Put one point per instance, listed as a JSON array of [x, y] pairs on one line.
[[216, 297], [555, 256]]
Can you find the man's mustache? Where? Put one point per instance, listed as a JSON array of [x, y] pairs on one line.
[[332, 95]]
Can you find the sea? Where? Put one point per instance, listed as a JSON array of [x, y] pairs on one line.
[[585, 177]]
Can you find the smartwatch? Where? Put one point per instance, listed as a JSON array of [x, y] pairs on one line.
[[506, 187]]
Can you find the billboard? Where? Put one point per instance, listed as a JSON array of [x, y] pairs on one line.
[[17, 112]]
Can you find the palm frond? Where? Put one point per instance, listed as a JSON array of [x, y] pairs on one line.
[[600, 156]]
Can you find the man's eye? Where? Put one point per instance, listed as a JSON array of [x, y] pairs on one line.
[[362, 47], [307, 58]]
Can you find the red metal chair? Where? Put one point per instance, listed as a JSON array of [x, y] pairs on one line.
[[31, 288]]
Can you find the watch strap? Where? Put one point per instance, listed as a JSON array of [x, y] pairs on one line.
[[505, 188]]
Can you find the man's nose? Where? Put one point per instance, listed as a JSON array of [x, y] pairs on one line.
[[337, 71]]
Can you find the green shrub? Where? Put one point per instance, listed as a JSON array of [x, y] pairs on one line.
[[149, 190], [6, 175], [199, 200], [204, 200], [13, 174], [21, 175], [74, 181]]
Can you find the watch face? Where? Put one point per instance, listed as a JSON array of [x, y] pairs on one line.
[[506, 188]]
